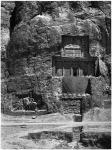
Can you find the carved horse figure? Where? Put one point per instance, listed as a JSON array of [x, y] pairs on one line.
[[29, 105]]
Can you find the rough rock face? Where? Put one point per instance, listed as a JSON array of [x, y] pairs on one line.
[[23, 11], [35, 31], [6, 10]]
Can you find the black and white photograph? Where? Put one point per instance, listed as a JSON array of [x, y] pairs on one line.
[[55, 75]]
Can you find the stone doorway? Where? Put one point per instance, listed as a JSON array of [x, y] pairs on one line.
[[77, 71]]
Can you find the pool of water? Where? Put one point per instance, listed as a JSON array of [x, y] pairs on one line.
[[63, 139]]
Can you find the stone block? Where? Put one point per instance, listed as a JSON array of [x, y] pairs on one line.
[[77, 118], [107, 104]]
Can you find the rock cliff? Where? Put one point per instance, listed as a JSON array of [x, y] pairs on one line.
[[31, 35]]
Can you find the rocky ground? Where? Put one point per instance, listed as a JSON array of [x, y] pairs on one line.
[[15, 129]]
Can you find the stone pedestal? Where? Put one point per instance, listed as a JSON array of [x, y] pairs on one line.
[[77, 130], [76, 135]]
